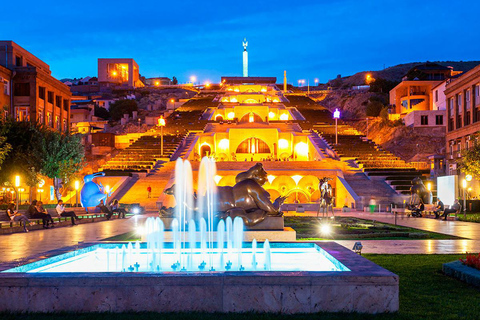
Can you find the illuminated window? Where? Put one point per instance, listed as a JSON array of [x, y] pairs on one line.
[[253, 145]]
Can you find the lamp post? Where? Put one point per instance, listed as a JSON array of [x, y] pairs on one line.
[[336, 116], [17, 185], [77, 185], [161, 124], [464, 185]]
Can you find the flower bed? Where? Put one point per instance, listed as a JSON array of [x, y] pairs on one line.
[[472, 260]]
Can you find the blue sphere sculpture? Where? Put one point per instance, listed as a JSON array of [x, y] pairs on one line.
[[91, 192]]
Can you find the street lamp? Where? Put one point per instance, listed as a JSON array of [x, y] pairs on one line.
[[77, 186], [316, 82], [193, 79], [17, 185], [161, 124], [336, 116], [20, 193], [464, 185]]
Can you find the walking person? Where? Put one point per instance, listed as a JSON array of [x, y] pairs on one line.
[[149, 192], [372, 204], [15, 216], [62, 213]]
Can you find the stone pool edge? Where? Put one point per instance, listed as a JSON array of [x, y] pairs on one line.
[[367, 288]]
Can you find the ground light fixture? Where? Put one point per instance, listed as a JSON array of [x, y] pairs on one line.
[[325, 229], [357, 247]]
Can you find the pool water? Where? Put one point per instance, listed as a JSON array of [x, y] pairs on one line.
[[114, 257]]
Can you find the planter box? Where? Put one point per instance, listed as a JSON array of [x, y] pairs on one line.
[[462, 272]]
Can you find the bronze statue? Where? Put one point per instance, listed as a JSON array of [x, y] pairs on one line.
[[246, 199], [419, 191], [326, 197]]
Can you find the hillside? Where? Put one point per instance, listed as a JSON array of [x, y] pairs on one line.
[[396, 73]]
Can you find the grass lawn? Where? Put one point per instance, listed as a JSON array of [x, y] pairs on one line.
[[471, 217], [425, 293], [348, 228]]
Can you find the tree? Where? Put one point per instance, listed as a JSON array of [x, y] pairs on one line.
[[23, 158], [121, 107], [62, 156], [102, 113], [470, 161], [4, 149], [174, 80]]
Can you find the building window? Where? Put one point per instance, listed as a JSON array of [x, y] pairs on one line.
[[50, 97], [58, 101], [439, 120], [451, 148], [65, 105], [22, 89], [18, 61], [477, 94], [424, 120], [459, 104], [436, 95], [6, 87]]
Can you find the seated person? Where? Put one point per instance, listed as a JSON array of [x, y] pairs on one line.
[[31, 209], [116, 209], [103, 208], [62, 213], [41, 213], [456, 207], [439, 208], [15, 216], [417, 211]]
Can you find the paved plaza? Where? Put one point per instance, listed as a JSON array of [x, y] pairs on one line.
[[18, 246]]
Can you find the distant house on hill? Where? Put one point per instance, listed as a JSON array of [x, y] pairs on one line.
[[419, 99]]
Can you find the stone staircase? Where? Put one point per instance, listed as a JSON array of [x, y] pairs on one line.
[[366, 188], [137, 193], [182, 148]]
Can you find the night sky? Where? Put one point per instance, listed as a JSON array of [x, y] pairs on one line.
[[309, 39]]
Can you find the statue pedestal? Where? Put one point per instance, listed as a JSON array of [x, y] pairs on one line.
[[270, 223], [272, 228]]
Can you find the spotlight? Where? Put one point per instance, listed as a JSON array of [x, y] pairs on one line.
[[140, 231], [136, 210], [325, 229]]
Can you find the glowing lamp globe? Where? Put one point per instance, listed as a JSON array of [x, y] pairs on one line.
[[161, 122], [336, 114]]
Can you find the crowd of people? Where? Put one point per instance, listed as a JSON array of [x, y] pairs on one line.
[[37, 211]]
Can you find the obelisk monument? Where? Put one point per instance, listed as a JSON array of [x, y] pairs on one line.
[[245, 58]]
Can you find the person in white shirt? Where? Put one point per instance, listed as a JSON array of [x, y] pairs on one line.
[[62, 213]]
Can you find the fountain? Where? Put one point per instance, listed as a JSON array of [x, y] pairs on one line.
[[202, 264]]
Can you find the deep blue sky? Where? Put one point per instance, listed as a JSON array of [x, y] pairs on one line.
[[309, 39]]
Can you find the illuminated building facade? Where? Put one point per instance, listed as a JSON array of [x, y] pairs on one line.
[[463, 114], [29, 91], [119, 73]]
